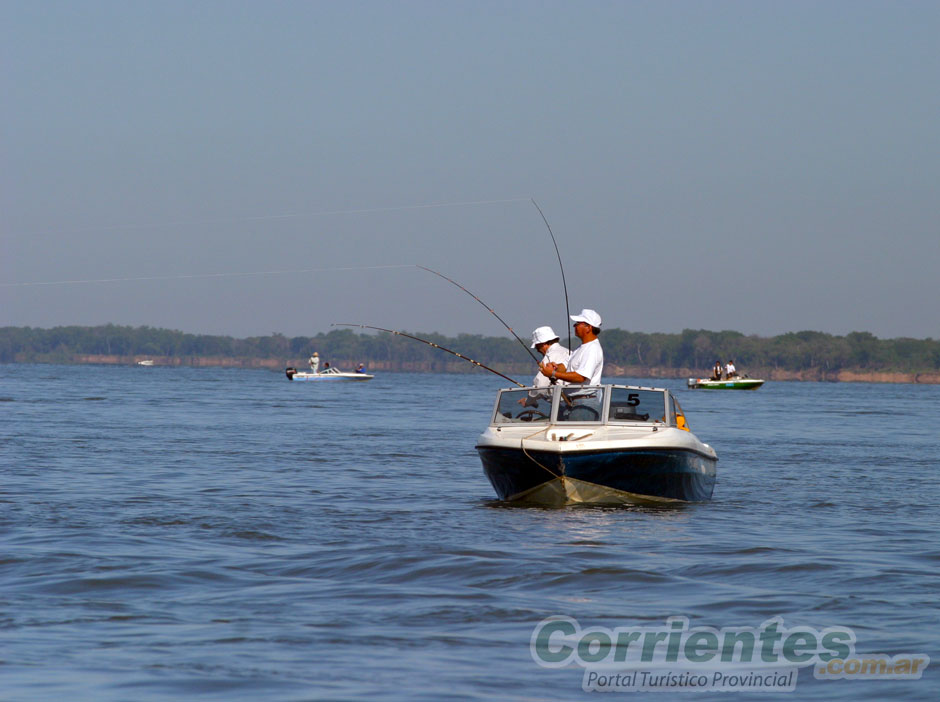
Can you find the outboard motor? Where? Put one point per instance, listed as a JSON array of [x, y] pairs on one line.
[[289, 372]]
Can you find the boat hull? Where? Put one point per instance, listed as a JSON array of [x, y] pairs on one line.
[[314, 377], [734, 384], [304, 376], [618, 476]]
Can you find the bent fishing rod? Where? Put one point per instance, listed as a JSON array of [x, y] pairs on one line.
[[431, 343], [563, 283], [488, 308]]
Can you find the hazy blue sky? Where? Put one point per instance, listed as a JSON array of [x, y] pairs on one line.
[[759, 166]]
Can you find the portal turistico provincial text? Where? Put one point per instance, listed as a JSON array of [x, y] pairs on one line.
[[677, 657]]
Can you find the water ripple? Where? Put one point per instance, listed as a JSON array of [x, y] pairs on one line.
[[236, 537]]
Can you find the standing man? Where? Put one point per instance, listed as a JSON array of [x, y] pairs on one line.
[[587, 363], [314, 362]]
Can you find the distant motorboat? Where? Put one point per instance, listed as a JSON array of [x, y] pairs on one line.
[[735, 383], [146, 362], [328, 374]]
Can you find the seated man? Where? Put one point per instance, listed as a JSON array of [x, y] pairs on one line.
[[545, 341]]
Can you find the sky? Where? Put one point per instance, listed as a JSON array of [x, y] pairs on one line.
[[245, 168]]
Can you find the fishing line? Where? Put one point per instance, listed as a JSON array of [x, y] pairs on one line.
[[564, 284], [187, 276], [488, 308], [268, 217]]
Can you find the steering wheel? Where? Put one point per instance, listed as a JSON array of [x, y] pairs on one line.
[[530, 415], [572, 414]]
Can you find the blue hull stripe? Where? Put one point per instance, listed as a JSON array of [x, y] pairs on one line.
[[672, 474]]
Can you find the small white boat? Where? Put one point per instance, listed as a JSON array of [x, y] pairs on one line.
[[146, 362], [328, 374], [605, 444], [728, 384]]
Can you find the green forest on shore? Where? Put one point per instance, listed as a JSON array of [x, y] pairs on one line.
[[808, 352]]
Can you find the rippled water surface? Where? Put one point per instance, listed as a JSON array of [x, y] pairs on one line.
[[174, 534]]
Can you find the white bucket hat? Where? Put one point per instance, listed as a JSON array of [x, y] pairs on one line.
[[543, 334], [589, 316]]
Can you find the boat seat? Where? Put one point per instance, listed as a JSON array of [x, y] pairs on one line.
[[624, 412]]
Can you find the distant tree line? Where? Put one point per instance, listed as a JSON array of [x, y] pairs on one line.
[[794, 351], [797, 351]]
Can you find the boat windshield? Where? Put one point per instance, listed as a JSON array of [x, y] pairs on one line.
[[680, 415], [527, 405], [633, 405], [581, 404], [586, 405]]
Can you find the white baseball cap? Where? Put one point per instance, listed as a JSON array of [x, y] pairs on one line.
[[589, 316], [543, 334]]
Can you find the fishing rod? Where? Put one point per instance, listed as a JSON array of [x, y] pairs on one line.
[[431, 343], [564, 284], [489, 309]]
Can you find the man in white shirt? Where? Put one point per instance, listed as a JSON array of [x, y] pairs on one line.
[[730, 370], [545, 341], [314, 362], [587, 363]]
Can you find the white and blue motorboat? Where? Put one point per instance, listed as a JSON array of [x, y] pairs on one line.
[[605, 444], [330, 374]]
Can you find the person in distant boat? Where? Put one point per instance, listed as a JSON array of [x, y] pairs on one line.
[[545, 341], [361, 368], [730, 370], [314, 362], [716, 371], [326, 366], [587, 362]]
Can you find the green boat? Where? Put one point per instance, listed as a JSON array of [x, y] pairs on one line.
[[729, 384]]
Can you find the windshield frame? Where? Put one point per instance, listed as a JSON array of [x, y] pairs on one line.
[[664, 405], [608, 391]]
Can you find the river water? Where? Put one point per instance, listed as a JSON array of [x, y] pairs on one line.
[[173, 534]]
